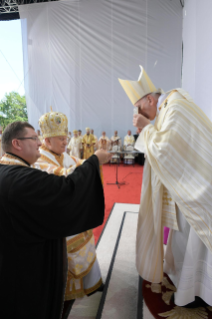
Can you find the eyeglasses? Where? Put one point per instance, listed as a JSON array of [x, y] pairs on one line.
[[34, 138]]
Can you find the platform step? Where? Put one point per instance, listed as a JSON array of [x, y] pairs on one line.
[[121, 297]]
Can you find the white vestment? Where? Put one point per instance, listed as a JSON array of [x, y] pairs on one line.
[[75, 145], [177, 193], [115, 147], [188, 263], [104, 143], [129, 142]]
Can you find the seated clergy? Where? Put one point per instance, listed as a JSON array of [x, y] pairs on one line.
[[75, 145], [115, 147], [129, 142], [84, 276], [37, 211], [104, 142]]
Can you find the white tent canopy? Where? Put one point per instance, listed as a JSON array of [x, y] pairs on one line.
[[75, 51]]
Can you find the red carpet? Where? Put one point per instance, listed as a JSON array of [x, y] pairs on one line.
[[128, 193]]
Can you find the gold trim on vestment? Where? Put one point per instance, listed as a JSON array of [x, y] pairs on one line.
[[8, 159], [47, 159], [86, 240], [74, 293], [74, 158], [58, 171], [78, 239], [59, 158], [80, 293]]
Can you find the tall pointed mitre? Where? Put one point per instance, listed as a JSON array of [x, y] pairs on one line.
[[135, 90], [53, 124]]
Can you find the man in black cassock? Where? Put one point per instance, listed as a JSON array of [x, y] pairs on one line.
[[37, 212]]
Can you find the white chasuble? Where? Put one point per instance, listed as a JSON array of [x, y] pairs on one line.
[[178, 168], [129, 140], [75, 146], [84, 274], [104, 143]]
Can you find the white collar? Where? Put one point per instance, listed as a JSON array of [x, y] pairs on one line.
[[162, 97]]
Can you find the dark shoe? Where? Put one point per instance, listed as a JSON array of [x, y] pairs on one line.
[[198, 302], [172, 299], [101, 288]]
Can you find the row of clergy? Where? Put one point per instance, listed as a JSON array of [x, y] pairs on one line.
[[84, 146]]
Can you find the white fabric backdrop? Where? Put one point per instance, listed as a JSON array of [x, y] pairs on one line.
[[197, 52], [74, 52]]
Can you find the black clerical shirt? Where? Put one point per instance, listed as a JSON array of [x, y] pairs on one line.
[[37, 211]]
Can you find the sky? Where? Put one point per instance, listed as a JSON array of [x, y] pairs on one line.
[[11, 58]]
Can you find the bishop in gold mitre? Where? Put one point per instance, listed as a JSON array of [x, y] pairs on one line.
[[176, 189], [84, 275]]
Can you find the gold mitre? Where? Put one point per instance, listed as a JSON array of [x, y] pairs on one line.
[[75, 131], [135, 90], [87, 129], [53, 124]]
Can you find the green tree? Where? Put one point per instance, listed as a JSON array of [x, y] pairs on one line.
[[12, 108]]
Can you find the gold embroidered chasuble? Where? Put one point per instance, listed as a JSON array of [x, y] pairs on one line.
[[80, 247], [88, 150], [177, 172]]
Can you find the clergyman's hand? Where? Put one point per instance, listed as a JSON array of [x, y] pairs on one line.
[[103, 156], [140, 121]]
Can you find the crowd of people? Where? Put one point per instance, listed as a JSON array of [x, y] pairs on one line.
[[83, 146]]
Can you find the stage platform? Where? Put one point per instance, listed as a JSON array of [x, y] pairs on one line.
[[122, 295]]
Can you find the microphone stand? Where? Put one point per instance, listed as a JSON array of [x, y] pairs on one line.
[[116, 182]]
